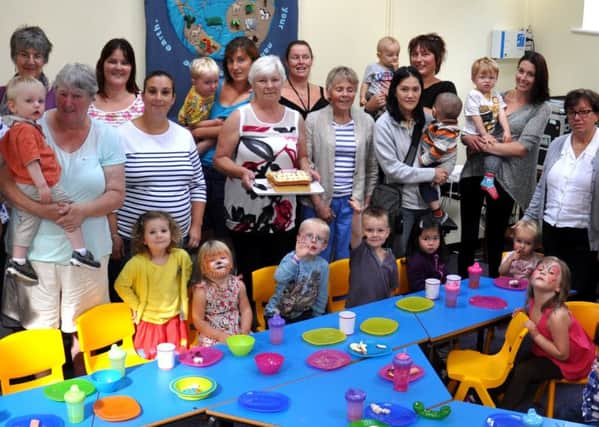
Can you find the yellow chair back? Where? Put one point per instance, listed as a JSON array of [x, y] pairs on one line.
[[402, 271], [338, 284], [100, 327], [263, 287], [29, 353]]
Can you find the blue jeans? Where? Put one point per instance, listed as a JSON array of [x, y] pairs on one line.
[[340, 228]]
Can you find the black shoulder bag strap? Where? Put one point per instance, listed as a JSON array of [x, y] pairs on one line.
[[411, 155]]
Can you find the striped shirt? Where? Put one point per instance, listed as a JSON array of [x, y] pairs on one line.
[[345, 159], [162, 172]]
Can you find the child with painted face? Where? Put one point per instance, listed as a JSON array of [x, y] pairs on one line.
[[220, 305], [561, 348], [154, 283], [302, 277], [522, 261]]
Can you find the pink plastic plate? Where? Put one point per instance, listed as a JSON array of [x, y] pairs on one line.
[[511, 283], [327, 360], [209, 356], [416, 372], [492, 303]]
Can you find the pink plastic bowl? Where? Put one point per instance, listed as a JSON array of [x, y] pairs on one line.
[[269, 363]]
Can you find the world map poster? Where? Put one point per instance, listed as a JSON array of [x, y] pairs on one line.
[[178, 31]]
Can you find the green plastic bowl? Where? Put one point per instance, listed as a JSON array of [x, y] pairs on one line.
[[192, 387], [240, 345]]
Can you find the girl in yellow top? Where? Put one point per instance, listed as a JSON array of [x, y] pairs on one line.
[[154, 283]]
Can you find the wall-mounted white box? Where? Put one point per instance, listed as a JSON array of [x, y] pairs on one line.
[[507, 44]]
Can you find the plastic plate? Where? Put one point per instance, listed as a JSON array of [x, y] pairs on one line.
[[367, 423], [56, 391], [379, 326], [264, 401], [416, 372], [208, 355], [373, 348], [504, 420], [328, 360], [492, 303], [117, 408], [398, 415], [324, 336], [46, 420], [509, 283], [414, 304]]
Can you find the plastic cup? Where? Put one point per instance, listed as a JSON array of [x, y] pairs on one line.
[[452, 289], [347, 322], [402, 362], [165, 355], [474, 272], [75, 407], [431, 288], [275, 326], [117, 357], [355, 403], [453, 279]]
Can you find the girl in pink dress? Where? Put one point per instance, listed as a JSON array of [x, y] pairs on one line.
[[220, 306]]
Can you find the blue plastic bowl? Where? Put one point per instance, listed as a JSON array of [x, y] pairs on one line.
[[106, 380]]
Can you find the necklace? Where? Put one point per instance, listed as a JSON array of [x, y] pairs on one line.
[[306, 108]]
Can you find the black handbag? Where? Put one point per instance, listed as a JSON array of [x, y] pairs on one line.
[[388, 196]]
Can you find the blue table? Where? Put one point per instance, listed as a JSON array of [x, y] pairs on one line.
[[319, 400]]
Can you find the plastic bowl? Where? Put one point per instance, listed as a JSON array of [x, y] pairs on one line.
[[240, 345], [106, 380], [192, 387], [269, 363]]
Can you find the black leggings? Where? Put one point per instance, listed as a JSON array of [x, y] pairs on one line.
[[497, 218]]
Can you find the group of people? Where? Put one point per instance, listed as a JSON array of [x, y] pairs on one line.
[[120, 188]]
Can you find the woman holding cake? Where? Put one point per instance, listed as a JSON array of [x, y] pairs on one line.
[[259, 137]]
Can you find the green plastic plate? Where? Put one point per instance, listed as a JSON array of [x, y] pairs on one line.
[[379, 326], [414, 304], [324, 336], [56, 391]]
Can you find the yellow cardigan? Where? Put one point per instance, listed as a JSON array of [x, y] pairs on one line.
[[134, 281]]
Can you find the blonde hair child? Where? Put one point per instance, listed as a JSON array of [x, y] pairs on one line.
[[522, 260]]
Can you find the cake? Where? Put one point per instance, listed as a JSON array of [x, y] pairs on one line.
[[288, 177]]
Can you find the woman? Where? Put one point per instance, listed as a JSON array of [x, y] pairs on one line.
[[566, 199], [527, 114], [163, 170], [118, 99], [29, 50], [298, 93], [339, 142], [399, 127], [233, 92], [272, 137], [92, 161]]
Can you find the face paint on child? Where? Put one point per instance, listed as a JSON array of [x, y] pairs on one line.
[[217, 266]]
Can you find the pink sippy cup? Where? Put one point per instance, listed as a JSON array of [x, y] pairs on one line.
[[474, 272]]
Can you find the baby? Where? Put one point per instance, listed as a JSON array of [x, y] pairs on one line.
[[522, 261], [377, 76]]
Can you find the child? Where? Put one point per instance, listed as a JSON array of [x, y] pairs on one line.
[[427, 255], [483, 109], [561, 348], [196, 108], [590, 397], [302, 276], [220, 305], [438, 147], [34, 167], [522, 261], [377, 76], [373, 269], [154, 283]]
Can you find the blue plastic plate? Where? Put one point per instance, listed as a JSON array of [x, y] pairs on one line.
[[504, 420], [398, 415], [264, 401], [46, 420], [371, 349]]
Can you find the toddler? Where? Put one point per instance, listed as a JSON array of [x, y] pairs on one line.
[[427, 255], [378, 75], [154, 283], [35, 168], [373, 269], [561, 348], [522, 261], [438, 147], [484, 107], [220, 305], [198, 103], [302, 278]]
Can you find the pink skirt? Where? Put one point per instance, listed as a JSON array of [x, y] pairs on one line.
[[149, 335]]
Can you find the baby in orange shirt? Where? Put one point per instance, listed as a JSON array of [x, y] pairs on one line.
[[35, 168]]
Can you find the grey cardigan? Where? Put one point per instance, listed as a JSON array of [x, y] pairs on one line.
[[320, 141], [536, 208]]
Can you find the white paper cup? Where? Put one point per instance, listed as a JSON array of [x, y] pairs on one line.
[[347, 322], [431, 288], [165, 355], [453, 278]]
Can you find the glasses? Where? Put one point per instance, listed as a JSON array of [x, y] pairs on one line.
[[315, 237], [582, 113]]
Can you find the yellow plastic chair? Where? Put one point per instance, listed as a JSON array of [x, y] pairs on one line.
[[402, 270], [263, 286], [100, 327], [479, 371], [30, 353], [338, 284], [587, 314]]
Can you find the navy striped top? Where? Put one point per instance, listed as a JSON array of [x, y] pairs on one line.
[[345, 159]]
